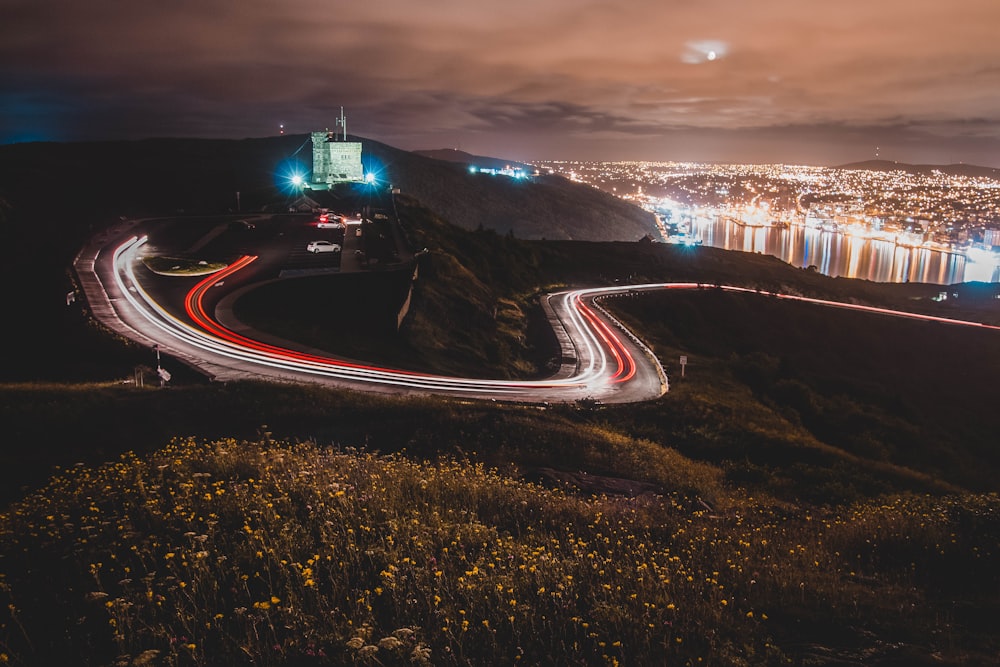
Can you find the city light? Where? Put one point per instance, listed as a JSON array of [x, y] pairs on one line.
[[507, 170], [892, 225], [981, 265]]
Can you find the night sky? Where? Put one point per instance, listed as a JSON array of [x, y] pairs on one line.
[[799, 81]]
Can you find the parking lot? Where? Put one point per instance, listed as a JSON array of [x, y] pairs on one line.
[[281, 241], [298, 233]]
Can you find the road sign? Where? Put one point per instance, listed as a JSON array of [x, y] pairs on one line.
[[684, 361]]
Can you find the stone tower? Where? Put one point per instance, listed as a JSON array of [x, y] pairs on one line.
[[335, 159]]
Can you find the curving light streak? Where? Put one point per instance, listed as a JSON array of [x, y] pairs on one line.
[[604, 361], [594, 339]]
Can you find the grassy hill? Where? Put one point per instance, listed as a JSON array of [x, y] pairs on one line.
[[826, 407], [266, 553], [820, 488], [473, 311], [793, 399]]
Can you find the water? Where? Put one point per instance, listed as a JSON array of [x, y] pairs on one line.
[[836, 253]]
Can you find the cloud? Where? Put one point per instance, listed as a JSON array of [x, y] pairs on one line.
[[703, 51], [583, 68]]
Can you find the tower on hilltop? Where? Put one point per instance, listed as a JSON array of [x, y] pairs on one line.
[[335, 159]]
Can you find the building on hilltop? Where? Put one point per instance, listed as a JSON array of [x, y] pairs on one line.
[[335, 159]]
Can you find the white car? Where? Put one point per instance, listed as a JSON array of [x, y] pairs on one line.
[[329, 224], [323, 246]]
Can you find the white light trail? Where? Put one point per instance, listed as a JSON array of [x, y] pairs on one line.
[[605, 364], [597, 373]]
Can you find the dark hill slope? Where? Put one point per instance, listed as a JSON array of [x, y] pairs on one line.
[[454, 155], [549, 207], [94, 180], [148, 177], [969, 170]]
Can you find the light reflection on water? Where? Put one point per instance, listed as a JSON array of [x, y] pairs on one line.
[[839, 254]]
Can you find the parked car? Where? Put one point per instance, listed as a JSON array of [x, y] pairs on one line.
[[323, 246]]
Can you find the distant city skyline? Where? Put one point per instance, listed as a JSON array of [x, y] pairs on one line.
[[787, 81]]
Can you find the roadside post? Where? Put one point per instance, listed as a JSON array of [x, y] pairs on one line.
[[162, 372], [684, 361]]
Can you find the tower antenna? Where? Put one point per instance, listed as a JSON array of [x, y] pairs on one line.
[[342, 121]]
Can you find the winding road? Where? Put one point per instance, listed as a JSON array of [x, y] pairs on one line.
[[601, 360]]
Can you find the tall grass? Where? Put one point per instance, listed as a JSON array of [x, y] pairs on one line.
[[269, 553]]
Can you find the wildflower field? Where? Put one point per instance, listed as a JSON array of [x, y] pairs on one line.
[[270, 553]]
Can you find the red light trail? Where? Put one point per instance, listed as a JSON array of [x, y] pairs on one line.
[[606, 368]]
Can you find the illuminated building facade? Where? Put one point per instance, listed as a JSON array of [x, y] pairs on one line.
[[335, 159]]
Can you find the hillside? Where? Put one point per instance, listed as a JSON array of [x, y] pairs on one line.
[[54, 196], [820, 488], [960, 169], [92, 181], [836, 393], [455, 155], [474, 310], [549, 207], [266, 553]]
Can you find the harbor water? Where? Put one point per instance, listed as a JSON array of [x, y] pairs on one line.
[[839, 253]]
